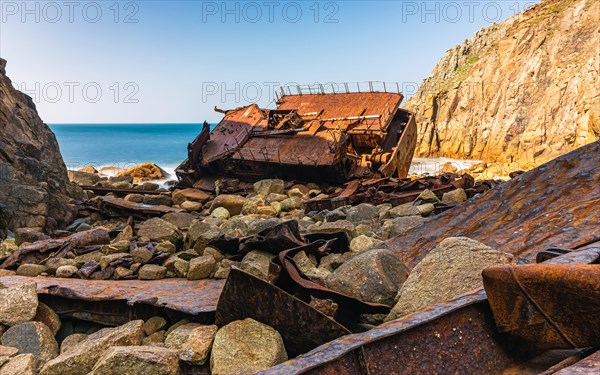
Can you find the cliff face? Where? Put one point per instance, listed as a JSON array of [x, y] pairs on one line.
[[34, 189], [525, 90]]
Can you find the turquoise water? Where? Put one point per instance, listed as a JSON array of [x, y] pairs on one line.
[[124, 145]]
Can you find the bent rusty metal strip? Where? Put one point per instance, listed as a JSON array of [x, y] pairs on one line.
[[105, 190], [553, 205], [546, 306], [302, 327], [148, 209], [191, 297]]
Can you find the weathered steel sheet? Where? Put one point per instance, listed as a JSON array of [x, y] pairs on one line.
[[191, 297], [546, 306], [131, 207], [553, 205]]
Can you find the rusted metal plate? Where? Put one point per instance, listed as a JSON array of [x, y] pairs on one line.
[[553, 205], [302, 327], [191, 297], [454, 337], [587, 366], [105, 190], [126, 207], [546, 306]]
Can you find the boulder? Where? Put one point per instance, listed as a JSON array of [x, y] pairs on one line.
[[291, 203], [258, 225], [32, 337], [31, 270], [232, 203], [191, 206], [31, 235], [407, 209], [155, 339], [144, 172], [275, 197], [193, 341], [66, 271], [246, 347], [47, 316], [362, 212], [88, 169], [221, 213], [83, 178], [266, 187], [194, 195], [157, 229], [134, 360], [201, 267], [201, 234], [22, 364], [452, 268], [71, 341], [152, 272], [141, 254], [372, 276], [181, 220], [426, 209], [136, 198], [362, 243], [236, 227], [404, 223], [427, 196], [154, 324], [18, 304], [457, 196], [158, 200], [336, 226], [256, 262], [82, 357]]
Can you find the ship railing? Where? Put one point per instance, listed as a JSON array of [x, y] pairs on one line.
[[338, 88]]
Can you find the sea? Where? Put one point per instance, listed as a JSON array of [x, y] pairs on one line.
[[123, 146]]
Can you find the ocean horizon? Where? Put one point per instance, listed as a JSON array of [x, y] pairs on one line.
[[164, 144]]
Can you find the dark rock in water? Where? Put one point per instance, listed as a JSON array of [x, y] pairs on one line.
[[33, 178]]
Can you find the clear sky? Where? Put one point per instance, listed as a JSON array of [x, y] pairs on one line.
[[174, 61]]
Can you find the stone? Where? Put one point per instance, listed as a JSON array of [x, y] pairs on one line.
[[158, 200], [47, 316], [427, 196], [8, 351], [256, 262], [134, 360], [201, 267], [295, 192], [120, 185], [94, 255], [232, 203], [362, 212], [372, 276], [193, 195], [452, 268], [404, 223], [158, 230], [30, 235], [201, 234], [407, 209], [221, 213], [291, 203], [136, 198], [31, 270], [246, 347], [125, 235], [122, 273], [155, 339], [18, 304], [214, 253], [83, 178], [121, 246], [52, 264], [335, 215], [194, 342], [66, 271], [144, 172], [88, 169], [22, 364], [304, 262], [331, 261], [191, 206], [318, 275], [150, 186], [337, 226], [187, 254], [456, 196], [362, 243], [174, 326], [259, 225], [223, 268], [235, 227], [7, 247], [181, 220], [154, 324], [166, 247], [32, 337], [142, 254], [252, 204], [71, 341], [426, 209], [180, 267], [152, 272], [275, 197], [83, 356], [268, 186]]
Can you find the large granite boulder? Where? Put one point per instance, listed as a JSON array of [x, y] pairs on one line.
[[34, 187], [452, 268]]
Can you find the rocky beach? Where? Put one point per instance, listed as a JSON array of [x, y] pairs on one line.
[[481, 266]]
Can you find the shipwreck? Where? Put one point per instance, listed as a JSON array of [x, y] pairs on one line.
[[348, 131]]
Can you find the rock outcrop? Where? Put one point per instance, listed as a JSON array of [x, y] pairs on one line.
[[34, 189], [525, 90]]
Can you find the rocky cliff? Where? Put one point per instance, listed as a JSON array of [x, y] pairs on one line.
[[34, 190], [525, 90]]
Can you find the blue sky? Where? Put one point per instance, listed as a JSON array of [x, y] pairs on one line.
[[174, 61]]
